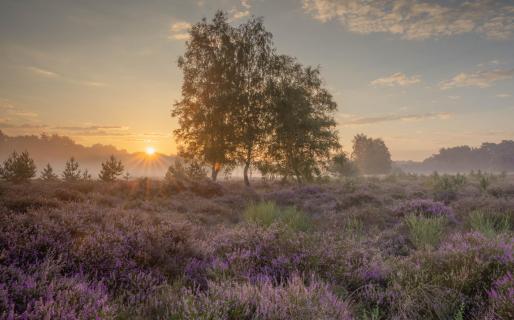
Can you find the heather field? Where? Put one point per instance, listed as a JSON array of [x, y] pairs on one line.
[[396, 247]]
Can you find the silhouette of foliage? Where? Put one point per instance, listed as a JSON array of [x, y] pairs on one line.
[[111, 170], [371, 155], [71, 170], [48, 174], [18, 168]]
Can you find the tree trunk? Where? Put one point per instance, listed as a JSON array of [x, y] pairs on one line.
[[245, 173], [214, 173]]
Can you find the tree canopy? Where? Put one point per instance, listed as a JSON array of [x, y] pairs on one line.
[[244, 104], [371, 155]]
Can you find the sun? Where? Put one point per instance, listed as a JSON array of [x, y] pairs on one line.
[[150, 150]]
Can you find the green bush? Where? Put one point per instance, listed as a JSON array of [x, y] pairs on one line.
[[425, 232], [489, 224], [266, 213]]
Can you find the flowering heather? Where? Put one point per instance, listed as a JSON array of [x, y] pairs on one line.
[[112, 251], [425, 207]]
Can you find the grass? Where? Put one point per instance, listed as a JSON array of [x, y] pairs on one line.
[[267, 212], [489, 224], [425, 232]]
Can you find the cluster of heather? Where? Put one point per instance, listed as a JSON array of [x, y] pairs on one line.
[[357, 248]]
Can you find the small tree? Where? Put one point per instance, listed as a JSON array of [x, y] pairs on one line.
[[111, 169], [342, 166], [71, 170], [47, 174], [371, 155], [86, 176], [18, 168]]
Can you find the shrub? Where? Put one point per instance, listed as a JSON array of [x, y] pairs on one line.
[[425, 232], [263, 300], [266, 213], [18, 168], [424, 207], [111, 170], [48, 174], [501, 297], [489, 224], [71, 170]]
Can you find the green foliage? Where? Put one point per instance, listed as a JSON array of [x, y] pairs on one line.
[[425, 232], [371, 155], [111, 170], [342, 166], [47, 174], [447, 183], [188, 170], [244, 104], [18, 168], [71, 170], [206, 131], [86, 176], [303, 134], [489, 224], [267, 213]]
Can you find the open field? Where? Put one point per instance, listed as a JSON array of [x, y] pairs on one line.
[[399, 247]]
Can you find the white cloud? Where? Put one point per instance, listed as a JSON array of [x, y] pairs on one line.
[[504, 95], [178, 31], [480, 79], [418, 19], [396, 79]]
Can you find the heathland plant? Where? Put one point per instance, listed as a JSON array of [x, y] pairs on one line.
[[425, 232], [489, 224], [267, 213]]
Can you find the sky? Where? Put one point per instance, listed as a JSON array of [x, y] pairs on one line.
[[421, 75]]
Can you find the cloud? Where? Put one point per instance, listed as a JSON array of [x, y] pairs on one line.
[[43, 72], [396, 79], [480, 79], [349, 120], [178, 30], [241, 11], [418, 19], [504, 95]]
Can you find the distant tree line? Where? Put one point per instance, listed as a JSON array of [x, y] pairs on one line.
[[488, 157], [20, 167]]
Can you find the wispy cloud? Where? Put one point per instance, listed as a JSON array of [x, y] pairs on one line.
[[504, 95], [418, 19], [350, 120], [179, 30], [396, 79], [54, 75], [480, 79], [43, 72]]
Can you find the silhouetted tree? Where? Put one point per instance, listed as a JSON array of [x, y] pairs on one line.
[[18, 168], [302, 127], [71, 170], [47, 174], [371, 155], [205, 130], [111, 169], [254, 54], [342, 166], [86, 176]]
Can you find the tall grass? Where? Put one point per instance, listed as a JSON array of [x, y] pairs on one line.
[[425, 232], [267, 212], [489, 224]]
